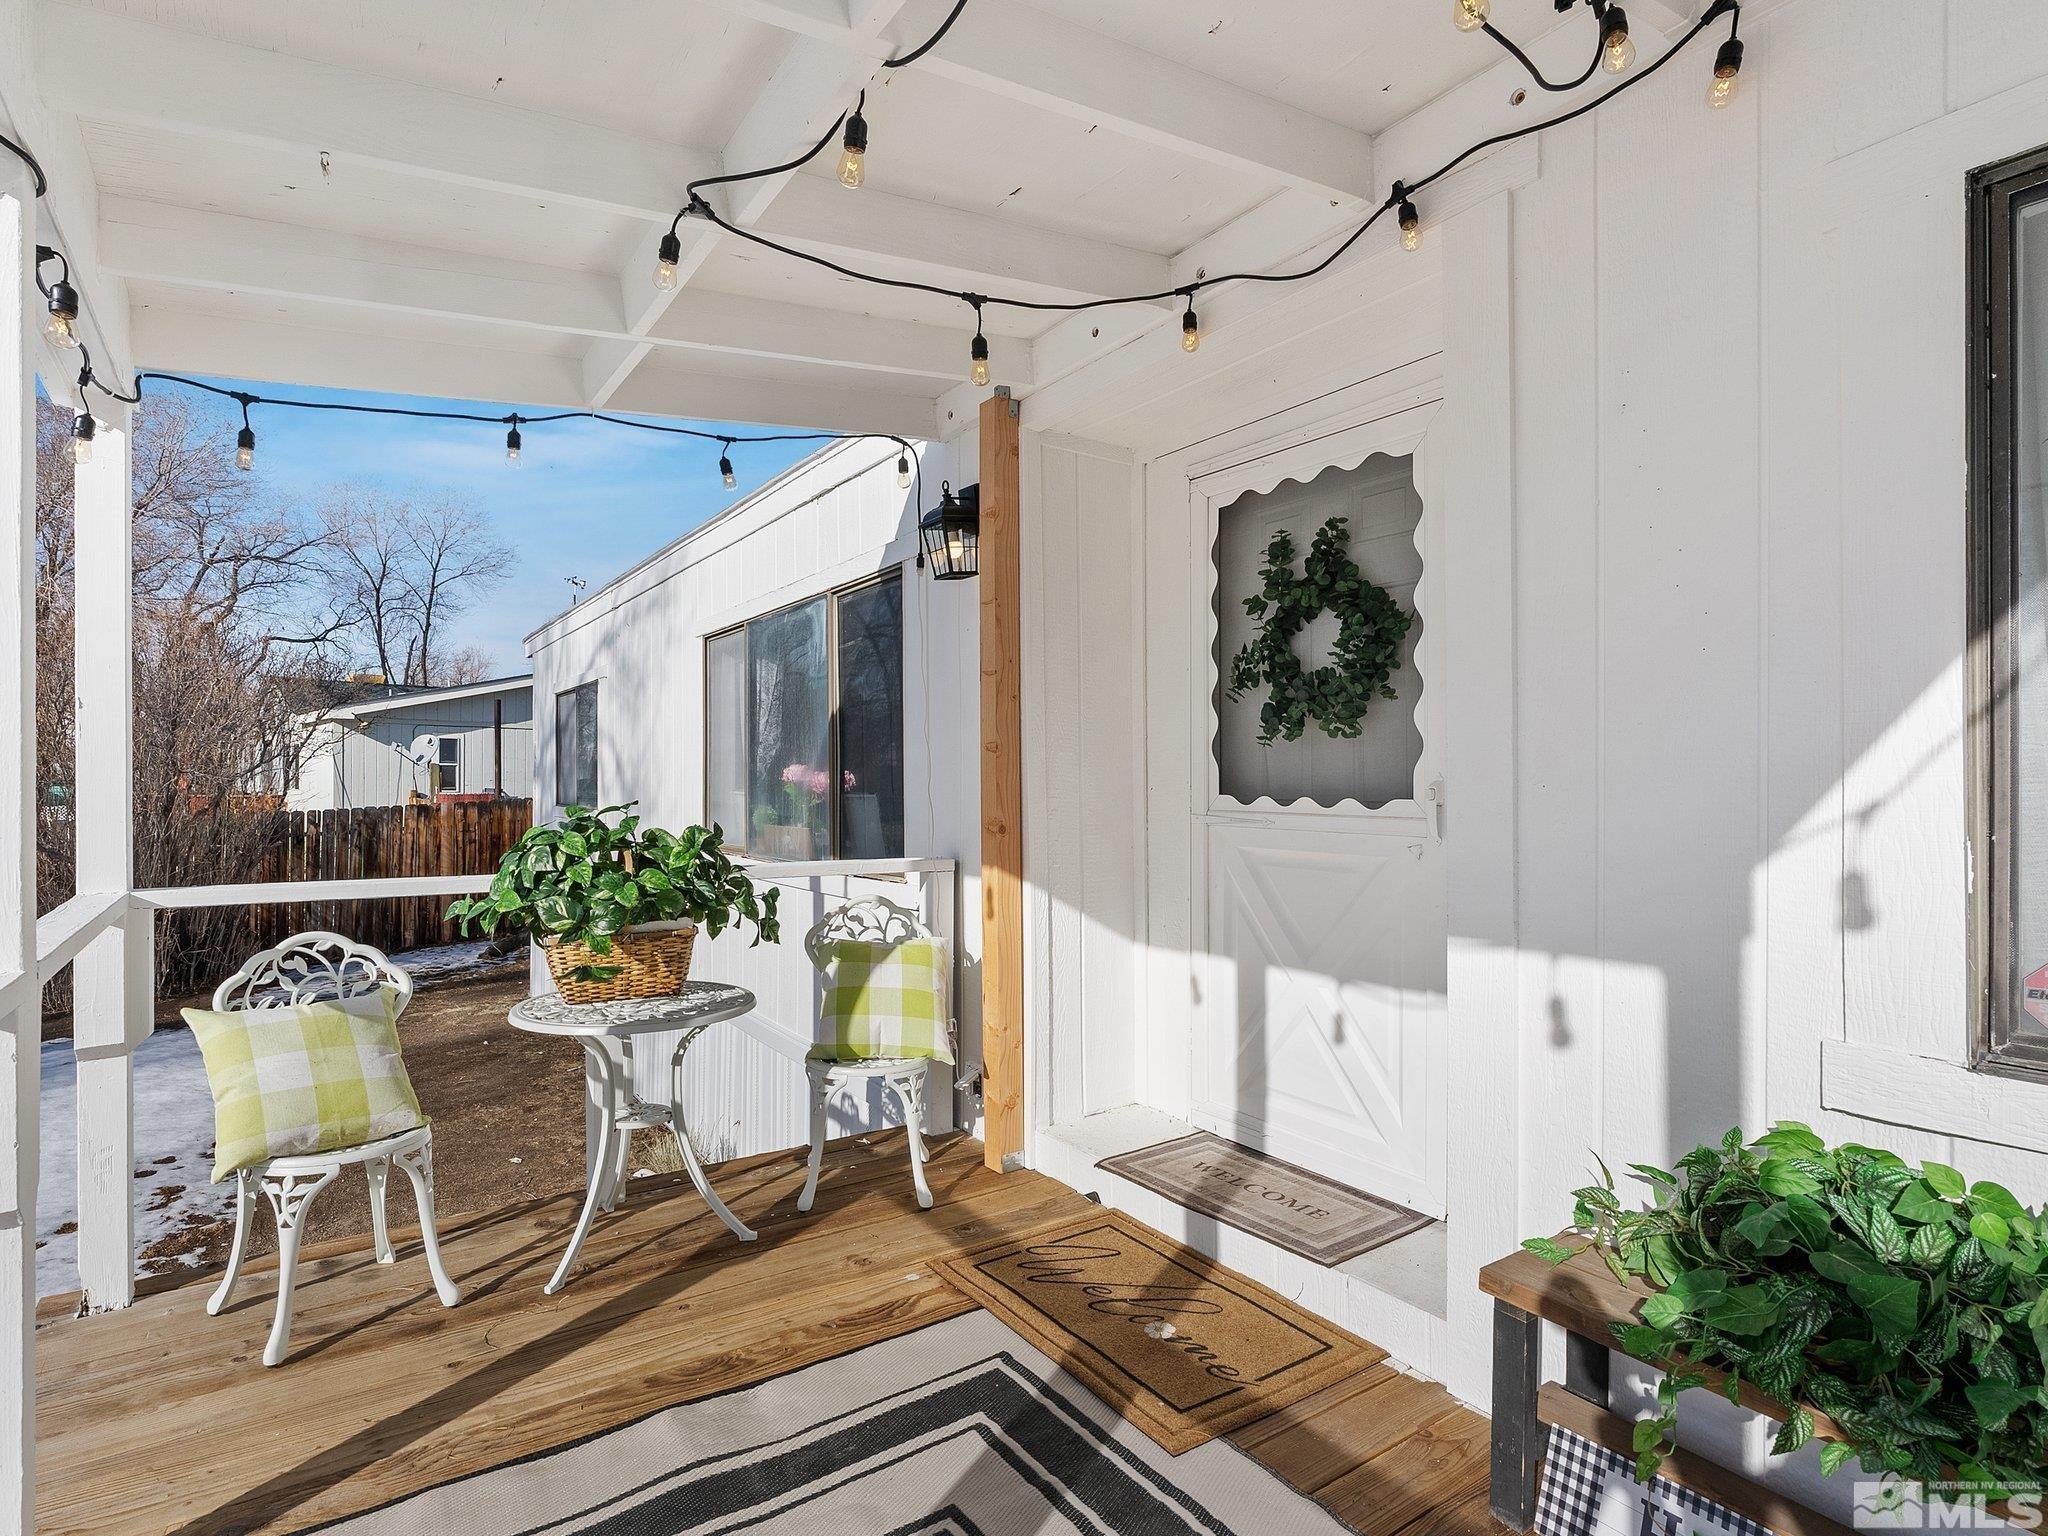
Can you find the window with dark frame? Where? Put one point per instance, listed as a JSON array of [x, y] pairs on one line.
[[2008, 658], [448, 780], [576, 746], [803, 751]]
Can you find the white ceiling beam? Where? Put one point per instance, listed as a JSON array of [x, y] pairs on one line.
[[1047, 62], [659, 389], [190, 248], [952, 248], [177, 339], [196, 341], [108, 68], [786, 117]]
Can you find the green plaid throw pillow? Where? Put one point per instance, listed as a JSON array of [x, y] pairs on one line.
[[309, 1078], [885, 999]]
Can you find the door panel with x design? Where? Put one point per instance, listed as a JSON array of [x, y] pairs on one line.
[[1325, 1004]]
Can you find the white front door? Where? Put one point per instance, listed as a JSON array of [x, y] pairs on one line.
[[1321, 900]]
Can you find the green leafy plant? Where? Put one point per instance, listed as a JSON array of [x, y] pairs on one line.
[[595, 873], [1905, 1303], [1365, 656]]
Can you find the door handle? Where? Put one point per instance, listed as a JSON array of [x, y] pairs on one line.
[[1434, 794]]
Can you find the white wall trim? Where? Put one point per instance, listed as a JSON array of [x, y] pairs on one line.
[[1930, 1094]]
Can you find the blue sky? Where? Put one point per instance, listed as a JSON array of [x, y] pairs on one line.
[[586, 498]]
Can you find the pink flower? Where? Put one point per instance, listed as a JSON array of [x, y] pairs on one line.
[[846, 779], [818, 781], [795, 773]]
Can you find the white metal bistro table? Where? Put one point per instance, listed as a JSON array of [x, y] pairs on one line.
[[606, 1031]]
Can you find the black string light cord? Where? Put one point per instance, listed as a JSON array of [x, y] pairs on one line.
[[852, 123], [1400, 197]]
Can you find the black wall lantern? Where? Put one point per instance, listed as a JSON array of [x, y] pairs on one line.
[[951, 534]]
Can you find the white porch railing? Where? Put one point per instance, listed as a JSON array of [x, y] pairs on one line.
[[746, 1085]]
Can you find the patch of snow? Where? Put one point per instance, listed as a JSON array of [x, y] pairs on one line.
[[439, 962], [173, 1119]]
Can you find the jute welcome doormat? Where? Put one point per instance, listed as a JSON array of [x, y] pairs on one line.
[[1179, 1346], [1305, 1213]]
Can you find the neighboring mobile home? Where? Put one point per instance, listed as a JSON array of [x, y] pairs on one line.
[[787, 672], [418, 747]]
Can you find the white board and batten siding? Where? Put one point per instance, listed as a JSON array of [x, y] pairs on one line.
[[1702, 443], [836, 518]]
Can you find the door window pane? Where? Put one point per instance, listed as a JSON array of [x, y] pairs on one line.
[[725, 730], [789, 715], [576, 746], [871, 722]]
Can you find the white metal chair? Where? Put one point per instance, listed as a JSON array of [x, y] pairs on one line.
[[880, 919], [322, 967]]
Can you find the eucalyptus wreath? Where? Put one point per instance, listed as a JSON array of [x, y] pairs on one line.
[[1371, 627]]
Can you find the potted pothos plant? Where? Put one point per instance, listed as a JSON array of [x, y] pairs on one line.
[[615, 905]]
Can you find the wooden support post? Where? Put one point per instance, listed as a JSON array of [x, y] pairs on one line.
[[20, 998], [1518, 1435], [1002, 787], [112, 992]]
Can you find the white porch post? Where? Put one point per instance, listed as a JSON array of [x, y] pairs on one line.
[[112, 981], [20, 998]]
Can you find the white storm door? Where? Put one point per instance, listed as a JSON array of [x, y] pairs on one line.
[[1320, 885]]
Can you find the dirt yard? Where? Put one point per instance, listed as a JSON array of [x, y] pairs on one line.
[[507, 1109]]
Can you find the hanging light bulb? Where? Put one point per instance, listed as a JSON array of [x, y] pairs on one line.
[[245, 448], [978, 352], [82, 429], [1411, 226], [1727, 74], [512, 443], [1190, 328], [725, 472], [902, 471], [1616, 51], [853, 157], [1469, 15], [666, 256], [62, 328]]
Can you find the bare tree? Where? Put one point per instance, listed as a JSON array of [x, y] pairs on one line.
[[399, 572]]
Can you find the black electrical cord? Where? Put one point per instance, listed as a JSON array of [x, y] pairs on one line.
[[1599, 48], [698, 207]]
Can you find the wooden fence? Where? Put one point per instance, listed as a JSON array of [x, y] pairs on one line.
[[383, 842]]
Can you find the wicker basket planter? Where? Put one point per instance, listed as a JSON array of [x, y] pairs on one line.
[[649, 962]]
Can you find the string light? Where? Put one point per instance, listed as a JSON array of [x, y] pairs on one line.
[[1727, 74], [61, 330], [82, 429], [1190, 328], [1409, 220], [902, 472], [1470, 15], [245, 448], [853, 154], [512, 443], [725, 472], [977, 350], [1617, 52], [666, 255]]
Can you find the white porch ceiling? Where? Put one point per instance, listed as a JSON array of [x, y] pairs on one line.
[[463, 198]]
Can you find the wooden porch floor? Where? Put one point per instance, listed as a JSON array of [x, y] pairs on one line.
[[162, 1419]]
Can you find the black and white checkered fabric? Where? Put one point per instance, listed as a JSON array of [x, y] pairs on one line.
[[1579, 1476]]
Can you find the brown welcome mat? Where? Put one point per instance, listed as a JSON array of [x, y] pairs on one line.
[[1180, 1346], [1305, 1213]]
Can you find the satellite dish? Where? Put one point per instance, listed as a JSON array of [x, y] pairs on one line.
[[425, 750]]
